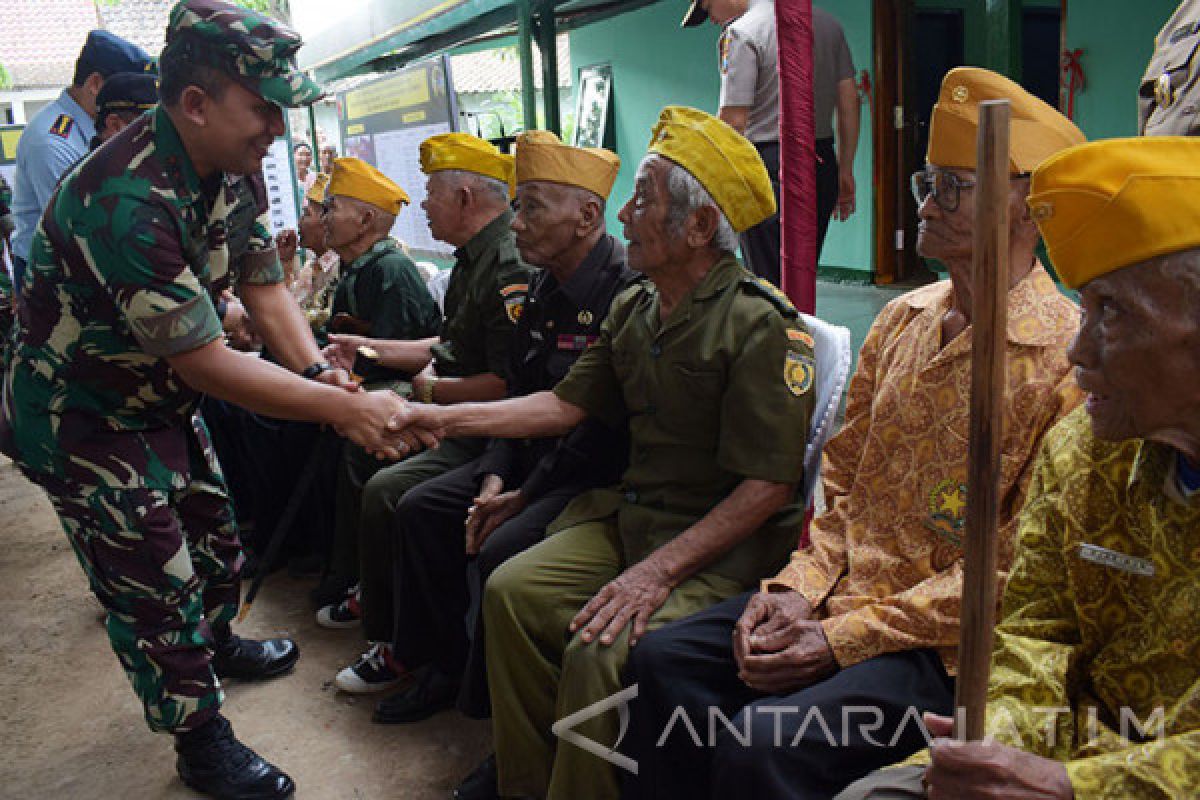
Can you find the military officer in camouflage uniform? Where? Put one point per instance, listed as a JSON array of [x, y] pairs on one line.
[[467, 204], [116, 336], [713, 370]]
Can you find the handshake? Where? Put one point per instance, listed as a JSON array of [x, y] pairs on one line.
[[387, 426]]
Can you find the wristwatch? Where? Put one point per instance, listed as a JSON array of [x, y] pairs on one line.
[[315, 369]]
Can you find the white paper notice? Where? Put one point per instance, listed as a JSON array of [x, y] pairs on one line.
[[398, 155], [277, 172]]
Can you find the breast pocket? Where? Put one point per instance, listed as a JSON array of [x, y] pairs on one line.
[[690, 400]]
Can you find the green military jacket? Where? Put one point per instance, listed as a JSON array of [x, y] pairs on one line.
[[483, 303], [120, 277], [719, 392], [383, 288]]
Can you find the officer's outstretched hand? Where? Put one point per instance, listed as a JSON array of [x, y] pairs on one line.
[[631, 597], [988, 769]]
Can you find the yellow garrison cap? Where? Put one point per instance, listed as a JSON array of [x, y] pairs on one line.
[[723, 160], [316, 192], [353, 177], [465, 152], [1113, 203], [542, 157], [1036, 133]]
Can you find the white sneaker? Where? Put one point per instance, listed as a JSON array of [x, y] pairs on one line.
[[346, 614], [375, 671]]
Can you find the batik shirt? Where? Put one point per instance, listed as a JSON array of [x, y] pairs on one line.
[[122, 271], [884, 566], [1101, 620]]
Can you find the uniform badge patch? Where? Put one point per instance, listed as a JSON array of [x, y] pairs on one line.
[[585, 317], [514, 300], [802, 337], [62, 126], [798, 373]]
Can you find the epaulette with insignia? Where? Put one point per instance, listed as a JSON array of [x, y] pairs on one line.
[[772, 293], [62, 126]]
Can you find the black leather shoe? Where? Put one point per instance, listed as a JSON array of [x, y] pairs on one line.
[[212, 761], [251, 660], [481, 784], [330, 591], [433, 692]]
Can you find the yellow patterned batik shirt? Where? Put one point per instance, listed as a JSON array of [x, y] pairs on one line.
[[884, 566], [1097, 657]]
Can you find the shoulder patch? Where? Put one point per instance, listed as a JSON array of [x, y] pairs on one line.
[[765, 288], [62, 125], [798, 373], [514, 300], [514, 288], [803, 337]]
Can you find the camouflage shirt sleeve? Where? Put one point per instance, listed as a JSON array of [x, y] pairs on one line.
[[258, 264], [139, 259]]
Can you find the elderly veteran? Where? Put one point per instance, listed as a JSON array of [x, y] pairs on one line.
[[467, 203], [381, 293], [1095, 685], [313, 283], [413, 589], [712, 369], [867, 614]]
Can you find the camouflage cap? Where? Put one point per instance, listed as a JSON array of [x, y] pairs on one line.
[[260, 52]]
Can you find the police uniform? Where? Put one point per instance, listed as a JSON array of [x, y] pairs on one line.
[[483, 302], [120, 278], [1169, 95], [58, 136], [718, 393]]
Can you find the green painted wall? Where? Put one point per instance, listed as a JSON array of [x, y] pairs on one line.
[[657, 63], [1116, 46]]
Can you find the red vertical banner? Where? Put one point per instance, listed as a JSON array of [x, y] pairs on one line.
[[797, 154]]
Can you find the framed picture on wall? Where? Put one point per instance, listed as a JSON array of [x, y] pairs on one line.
[[591, 106]]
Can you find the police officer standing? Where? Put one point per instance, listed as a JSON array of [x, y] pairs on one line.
[[116, 336], [1169, 95], [58, 136], [749, 63]]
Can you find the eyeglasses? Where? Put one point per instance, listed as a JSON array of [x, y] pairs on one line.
[[944, 186]]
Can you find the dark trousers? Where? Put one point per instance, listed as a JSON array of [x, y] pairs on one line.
[[436, 589], [761, 244], [869, 716]]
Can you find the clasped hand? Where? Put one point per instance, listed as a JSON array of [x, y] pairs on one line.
[[387, 426], [778, 646]]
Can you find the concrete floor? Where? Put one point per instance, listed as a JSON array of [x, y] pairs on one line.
[[72, 727]]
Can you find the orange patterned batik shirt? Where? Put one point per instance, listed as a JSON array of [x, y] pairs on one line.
[[884, 564]]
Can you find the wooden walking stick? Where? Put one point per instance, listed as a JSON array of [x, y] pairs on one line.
[[988, 325]]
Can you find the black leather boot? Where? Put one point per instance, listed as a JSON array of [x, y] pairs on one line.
[[249, 659], [212, 761]]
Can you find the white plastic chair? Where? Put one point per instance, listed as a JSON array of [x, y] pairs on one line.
[[834, 355], [436, 284]]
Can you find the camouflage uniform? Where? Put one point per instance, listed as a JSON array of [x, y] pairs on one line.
[[122, 273]]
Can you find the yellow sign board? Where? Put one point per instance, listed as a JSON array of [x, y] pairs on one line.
[[406, 90], [8, 144]]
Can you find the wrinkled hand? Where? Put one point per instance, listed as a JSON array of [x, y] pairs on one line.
[[342, 349], [988, 770], [375, 422], [846, 192], [633, 596], [418, 424], [488, 514], [785, 654], [766, 614], [239, 328], [286, 245]]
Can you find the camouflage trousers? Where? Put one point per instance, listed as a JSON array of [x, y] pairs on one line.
[[165, 566]]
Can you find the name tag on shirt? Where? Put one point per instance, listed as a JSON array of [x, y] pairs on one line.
[[1119, 561]]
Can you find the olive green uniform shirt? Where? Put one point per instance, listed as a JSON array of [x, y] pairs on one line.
[[720, 392], [483, 303]]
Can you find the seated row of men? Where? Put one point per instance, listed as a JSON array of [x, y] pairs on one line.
[[673, 575]]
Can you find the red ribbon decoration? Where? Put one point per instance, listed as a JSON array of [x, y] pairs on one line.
[[1073, 77]]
